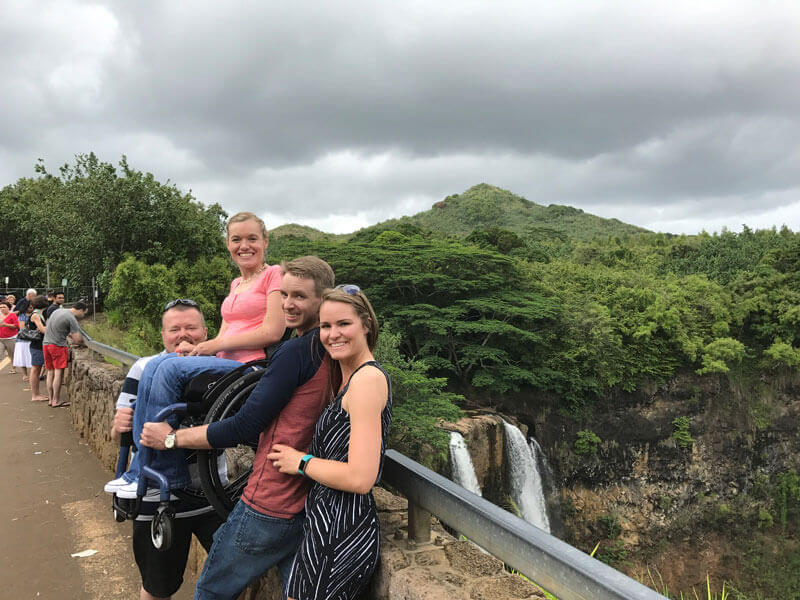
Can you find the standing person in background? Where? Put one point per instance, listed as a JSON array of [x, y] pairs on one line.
[[22, 349], [56, 353], [341, 534], [36, 354], [21, 307], [58, 301], [9, 327]]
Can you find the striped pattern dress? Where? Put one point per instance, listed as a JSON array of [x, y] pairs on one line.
[[341, 542]]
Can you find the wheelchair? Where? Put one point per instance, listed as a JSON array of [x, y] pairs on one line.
[[206, 399]]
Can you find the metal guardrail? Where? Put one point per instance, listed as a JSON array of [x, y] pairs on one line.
[[556, 566], [126, 358]]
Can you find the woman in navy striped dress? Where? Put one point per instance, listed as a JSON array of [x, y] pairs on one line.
[[341, 545]]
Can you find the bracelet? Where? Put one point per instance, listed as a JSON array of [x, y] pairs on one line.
[[303, 464]]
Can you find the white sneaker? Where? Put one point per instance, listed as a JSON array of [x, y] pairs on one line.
[[114, 485], [128, 492]]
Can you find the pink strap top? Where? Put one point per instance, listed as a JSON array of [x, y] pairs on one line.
[[245, 311]]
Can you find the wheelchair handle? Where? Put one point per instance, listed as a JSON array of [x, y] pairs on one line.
[[126, 439]]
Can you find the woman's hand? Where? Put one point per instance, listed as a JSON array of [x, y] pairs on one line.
[[184, 348], [285, 458], [205, 348], [154, 434]]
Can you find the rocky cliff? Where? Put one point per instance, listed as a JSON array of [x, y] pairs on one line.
[[669, 478]]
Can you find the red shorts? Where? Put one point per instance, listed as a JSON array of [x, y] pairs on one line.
[[55, 357]]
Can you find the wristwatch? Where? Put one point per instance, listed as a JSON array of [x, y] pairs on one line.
[[170, 442]]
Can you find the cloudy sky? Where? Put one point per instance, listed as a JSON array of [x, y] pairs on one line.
[[672, 116]]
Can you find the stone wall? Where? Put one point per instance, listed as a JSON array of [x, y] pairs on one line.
[[444, 567]]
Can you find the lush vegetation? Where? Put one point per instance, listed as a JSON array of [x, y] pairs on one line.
[[485, 296], [484, 206], [85, 219]]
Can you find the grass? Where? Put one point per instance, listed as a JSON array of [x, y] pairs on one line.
[[708, 595], [659, 586], [104, 332]]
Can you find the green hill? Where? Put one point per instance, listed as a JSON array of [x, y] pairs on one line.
[[484, 206], [302, 231]]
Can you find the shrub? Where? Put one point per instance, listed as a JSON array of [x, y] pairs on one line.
[[765, 520], [611, 524], [587, 443], [680, 432]]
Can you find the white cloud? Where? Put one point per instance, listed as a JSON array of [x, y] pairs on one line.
[[358, 111]]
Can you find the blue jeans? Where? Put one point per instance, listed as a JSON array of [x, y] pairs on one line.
[[247, 545], [161, 384]]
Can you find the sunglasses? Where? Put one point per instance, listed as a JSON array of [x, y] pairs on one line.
[[348, 288], [180, 302]]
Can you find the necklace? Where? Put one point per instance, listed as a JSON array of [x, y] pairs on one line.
[[249, 278]]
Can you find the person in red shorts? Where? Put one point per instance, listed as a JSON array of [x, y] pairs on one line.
[[62, 324]]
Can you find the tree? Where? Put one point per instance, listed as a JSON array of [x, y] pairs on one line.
[[468, 313], [85, 219]]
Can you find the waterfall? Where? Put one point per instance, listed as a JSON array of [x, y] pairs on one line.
[[524, 477], [461, 464]]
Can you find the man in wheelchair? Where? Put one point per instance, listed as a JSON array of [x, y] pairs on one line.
[[182, 327], [265, 526]]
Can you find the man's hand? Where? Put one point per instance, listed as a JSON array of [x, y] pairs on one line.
[[154, 434], [123, 421]]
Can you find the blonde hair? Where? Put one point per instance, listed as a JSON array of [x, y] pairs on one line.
[[243, 216], [311, 267], [363, 308]]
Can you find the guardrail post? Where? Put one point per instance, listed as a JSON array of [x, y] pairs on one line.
[[419, 524]]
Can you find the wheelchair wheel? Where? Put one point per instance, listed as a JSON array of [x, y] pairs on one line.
[[161, 529], [223, 495], [118, 516]]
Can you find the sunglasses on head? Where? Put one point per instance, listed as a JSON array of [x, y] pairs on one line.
[[180, 302], [348, 288]]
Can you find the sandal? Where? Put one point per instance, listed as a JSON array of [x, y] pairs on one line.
[[62, 404]]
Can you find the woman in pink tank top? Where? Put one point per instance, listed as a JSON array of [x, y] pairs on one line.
[[252, 320]]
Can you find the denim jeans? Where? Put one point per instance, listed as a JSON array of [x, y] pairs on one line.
[[161, 384], [247, 545]]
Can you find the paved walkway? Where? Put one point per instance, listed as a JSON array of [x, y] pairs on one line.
[[52, 505]]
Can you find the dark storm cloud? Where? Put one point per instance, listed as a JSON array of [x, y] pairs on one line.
[[373, 109]]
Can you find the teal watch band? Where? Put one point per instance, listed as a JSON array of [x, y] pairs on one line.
[[303, 463]]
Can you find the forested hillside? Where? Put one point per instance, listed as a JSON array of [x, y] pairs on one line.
[[485, 206]]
